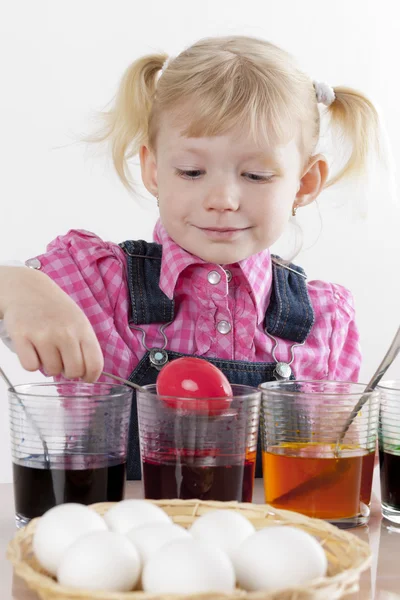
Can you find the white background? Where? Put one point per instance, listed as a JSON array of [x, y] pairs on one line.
[[60, 62]]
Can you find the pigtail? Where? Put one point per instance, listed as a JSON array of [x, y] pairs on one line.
[[126, 124], [355, 118]]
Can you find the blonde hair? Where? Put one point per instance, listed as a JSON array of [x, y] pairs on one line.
[[219, 82]]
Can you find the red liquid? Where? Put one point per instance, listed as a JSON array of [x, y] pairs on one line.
[[38, 490], [224, 482]]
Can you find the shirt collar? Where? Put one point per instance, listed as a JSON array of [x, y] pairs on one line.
[[174, 260], [257, 270]]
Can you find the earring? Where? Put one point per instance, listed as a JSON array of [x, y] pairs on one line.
[[294, 210], [158, 202]]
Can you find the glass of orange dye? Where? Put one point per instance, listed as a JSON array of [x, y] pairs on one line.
[[304, 468]]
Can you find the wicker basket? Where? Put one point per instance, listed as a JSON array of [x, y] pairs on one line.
[[347, 556]]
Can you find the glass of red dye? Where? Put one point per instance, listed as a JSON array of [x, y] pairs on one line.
[[189, 449]]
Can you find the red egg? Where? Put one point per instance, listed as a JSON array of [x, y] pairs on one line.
[[194, 384]]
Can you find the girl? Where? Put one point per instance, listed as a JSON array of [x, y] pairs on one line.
[[226, 133]]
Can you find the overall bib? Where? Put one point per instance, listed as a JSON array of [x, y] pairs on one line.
[[289, 316]]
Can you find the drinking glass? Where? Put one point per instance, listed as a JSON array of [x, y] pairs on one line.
[[85, 428], [201, 448], [304, 469]]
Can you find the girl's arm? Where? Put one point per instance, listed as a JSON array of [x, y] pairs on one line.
[[48, 330]]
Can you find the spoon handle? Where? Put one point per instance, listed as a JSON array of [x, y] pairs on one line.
[[386, 362], [135, 386], [30, 419], [8, 382], [325, 476], [377, 376]]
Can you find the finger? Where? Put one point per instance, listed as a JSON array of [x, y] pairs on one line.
[[93, 358], [50, 359], [72, 358], [26, 352]]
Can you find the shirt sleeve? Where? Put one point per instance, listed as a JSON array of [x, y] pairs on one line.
[[92, 272], [344, 361], [89, 270]]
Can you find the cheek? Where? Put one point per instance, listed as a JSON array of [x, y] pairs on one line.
[[284, 195], [273, 211], [175, 191], [275, 201], [174, 210], [272, 222]]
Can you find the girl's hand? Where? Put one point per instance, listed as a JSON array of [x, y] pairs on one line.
[[48, 329]]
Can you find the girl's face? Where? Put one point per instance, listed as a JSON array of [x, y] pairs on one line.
[[226, 198]]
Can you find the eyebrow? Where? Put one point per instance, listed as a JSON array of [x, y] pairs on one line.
[[268, 160], [197, 151]]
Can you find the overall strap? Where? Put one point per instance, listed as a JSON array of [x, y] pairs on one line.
[[148, 303], [290, 314]]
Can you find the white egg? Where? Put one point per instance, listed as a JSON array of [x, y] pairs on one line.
[[278, 557], [58, 528], [225, 529], [188, 566], [103, 560], [150, 538], [128, 514]]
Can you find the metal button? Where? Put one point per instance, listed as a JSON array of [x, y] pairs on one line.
[[224, 327], [282, 371], [158, 357], [214, 277], [228, 275], [33, 263]]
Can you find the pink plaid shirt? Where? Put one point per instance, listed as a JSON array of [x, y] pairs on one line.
[[93, 273]]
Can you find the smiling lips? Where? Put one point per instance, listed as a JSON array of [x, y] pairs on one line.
[[222, 233]]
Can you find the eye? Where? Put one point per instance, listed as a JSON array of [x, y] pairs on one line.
[[190, 173], [258, 178]]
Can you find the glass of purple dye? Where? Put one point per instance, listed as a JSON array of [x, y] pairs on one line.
[[85, 427]]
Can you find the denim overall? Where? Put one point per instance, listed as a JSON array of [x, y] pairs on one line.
[[289, 316]]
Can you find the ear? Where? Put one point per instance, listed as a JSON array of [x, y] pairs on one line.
[[148, 167], [313, 180]]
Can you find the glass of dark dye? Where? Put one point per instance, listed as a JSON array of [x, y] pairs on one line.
[[389, 449], [189, 454], [85, 427]]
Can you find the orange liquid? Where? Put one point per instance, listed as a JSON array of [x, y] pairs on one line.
[[307, 478], [367, 474]]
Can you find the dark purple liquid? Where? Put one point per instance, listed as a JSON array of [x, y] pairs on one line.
[[171, 480], [36, 490], [390, 478]]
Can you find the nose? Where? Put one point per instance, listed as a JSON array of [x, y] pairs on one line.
[[221, 198]]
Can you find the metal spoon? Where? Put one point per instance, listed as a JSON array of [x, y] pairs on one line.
[[330, 474], [135, 386], [30, 419], [377, 376]]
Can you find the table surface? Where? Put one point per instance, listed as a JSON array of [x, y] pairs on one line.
[[380, 582]]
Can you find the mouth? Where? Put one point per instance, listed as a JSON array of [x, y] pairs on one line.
[[223, 229], [222, 233]]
